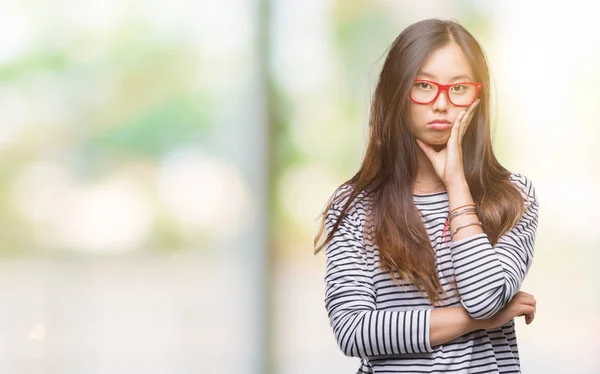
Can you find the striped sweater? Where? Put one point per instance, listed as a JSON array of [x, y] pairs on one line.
[[386, 325]]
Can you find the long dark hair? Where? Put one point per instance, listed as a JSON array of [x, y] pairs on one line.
[[389, 168]]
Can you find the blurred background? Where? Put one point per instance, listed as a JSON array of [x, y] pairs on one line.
[[163, 165]]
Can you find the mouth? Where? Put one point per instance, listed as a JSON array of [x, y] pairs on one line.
[[439, 125]]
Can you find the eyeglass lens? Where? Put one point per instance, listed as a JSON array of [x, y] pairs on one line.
[[459, 94]]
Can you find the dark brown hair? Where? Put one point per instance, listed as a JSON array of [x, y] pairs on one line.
[[389, 168]]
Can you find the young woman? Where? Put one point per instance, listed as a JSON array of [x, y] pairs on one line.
[[428, 244]]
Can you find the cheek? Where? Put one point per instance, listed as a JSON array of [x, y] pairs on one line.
[[453, 114], [418, 115]]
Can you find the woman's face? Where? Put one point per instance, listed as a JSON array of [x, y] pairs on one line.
[[445, 65]]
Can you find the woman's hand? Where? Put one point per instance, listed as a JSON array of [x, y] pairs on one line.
[[522, 304], [448, 163]]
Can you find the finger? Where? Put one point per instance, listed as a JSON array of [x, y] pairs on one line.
[[525, 297], [457, 122], [472, 107], [460, 129], [467, 118], [529, 318], [455, 132], [526, 309], [528, 300]]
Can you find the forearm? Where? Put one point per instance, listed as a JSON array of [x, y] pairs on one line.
[[447, 324], [459, 194], [488, 275], [479, 274], [367, 333]]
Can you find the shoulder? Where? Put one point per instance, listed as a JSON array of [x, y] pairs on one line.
[[526, 186], [357, 213], [358, 206]]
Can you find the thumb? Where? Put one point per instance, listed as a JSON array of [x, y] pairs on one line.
[[427, 149]]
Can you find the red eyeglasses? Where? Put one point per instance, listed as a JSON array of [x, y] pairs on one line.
[[459, 94]]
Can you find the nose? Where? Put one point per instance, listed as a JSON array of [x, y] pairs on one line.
[[441, 103]]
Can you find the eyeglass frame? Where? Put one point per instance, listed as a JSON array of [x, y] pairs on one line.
[[446, 87]]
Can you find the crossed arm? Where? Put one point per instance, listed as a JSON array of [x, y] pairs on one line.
[[487, 278]]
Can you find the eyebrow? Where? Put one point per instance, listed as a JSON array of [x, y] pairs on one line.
[[461, 76]]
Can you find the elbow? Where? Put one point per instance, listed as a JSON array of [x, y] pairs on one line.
[[483, 304], [350, 353], [347, 347], [478, 315], [345, 330], [346, 342], [486, 308]]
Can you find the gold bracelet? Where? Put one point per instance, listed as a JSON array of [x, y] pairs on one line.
[[462, 206], [463, 211], [463, 226], [450, 219]]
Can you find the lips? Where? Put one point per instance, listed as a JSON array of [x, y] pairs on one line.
[[440, 124]]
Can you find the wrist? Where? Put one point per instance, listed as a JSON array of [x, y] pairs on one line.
[[471, 323], [458, 184]]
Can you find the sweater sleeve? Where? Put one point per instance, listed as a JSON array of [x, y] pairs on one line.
[[489, 276], [360, 330]]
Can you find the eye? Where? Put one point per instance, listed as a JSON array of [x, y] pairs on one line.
[[423, 85], [458, 88]]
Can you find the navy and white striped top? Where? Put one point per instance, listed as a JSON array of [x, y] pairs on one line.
[[386, 325]]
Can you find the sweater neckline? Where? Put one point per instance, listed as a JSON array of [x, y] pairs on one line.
[[435, 196]]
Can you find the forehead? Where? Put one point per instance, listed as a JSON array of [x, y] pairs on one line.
[[446, 64]]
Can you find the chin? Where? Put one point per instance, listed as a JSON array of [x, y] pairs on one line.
[[438, 141], [439, 147]]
